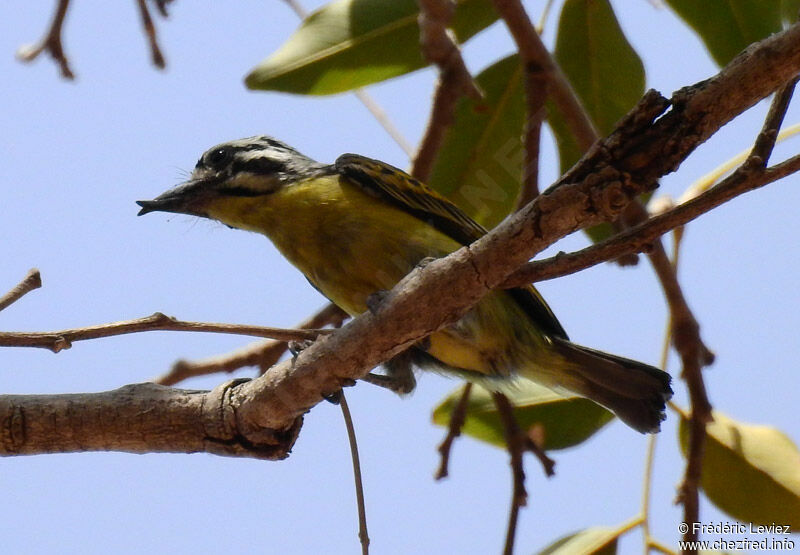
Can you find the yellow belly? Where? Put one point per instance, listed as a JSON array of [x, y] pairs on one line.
[[347, 243], [350, 245]]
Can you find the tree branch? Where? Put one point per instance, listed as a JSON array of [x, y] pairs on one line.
[[514, 444], [639, 238], [33, 280], [536, 57], [363, 534], [439, 48], [51, 43], [59, 340], [150, 31], [457, 419], [140, 418], [536, 90], [263, 354]]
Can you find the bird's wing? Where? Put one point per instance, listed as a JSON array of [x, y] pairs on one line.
[[397, 187]]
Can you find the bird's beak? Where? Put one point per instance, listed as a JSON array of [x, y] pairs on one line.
[[187, 198]]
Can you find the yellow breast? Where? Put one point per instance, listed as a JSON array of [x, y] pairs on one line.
[[347, 243]]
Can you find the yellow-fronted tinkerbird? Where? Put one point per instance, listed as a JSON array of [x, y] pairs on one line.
[[358, 226]]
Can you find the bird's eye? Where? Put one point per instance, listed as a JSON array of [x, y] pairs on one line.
[[218, 157]]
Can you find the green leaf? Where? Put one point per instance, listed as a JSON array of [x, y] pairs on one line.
[[750, 472], [479, 166], [604, 70], [597, 540], [562, 421], [348, 44], [726, 27]]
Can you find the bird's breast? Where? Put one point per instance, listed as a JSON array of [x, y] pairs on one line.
[[347, 243]]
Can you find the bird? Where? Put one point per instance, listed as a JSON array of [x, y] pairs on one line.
[[356, 227]]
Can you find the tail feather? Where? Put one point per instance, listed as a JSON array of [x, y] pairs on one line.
[[636, 392]]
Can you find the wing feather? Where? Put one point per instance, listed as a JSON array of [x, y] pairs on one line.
[[397, 187]]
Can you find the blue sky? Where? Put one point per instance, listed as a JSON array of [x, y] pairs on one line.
[[76, 157]]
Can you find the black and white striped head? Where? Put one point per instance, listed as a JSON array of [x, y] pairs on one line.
[[255, 156], [243, 168]]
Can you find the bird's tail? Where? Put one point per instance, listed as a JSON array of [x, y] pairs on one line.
[[634, 391]]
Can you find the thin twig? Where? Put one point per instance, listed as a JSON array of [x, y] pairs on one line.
[[536, 86], [532, 444], [515, 446], [383, 120], [543, 17], [639, 238], [646, 488], [51, 43], [533, 50], [150, 31], [363, 536], [441, 118], [161, 5], [369, 103], [59, 340], [456, 424], [686, 330], [439, 47], [262, 354], [660, 547], [33, 280], [653, 438], [765, 142], [455, 80]]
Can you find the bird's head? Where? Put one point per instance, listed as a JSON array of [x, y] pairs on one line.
[[229, 174]]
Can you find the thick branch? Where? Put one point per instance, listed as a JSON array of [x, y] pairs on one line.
[[140, 418]]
